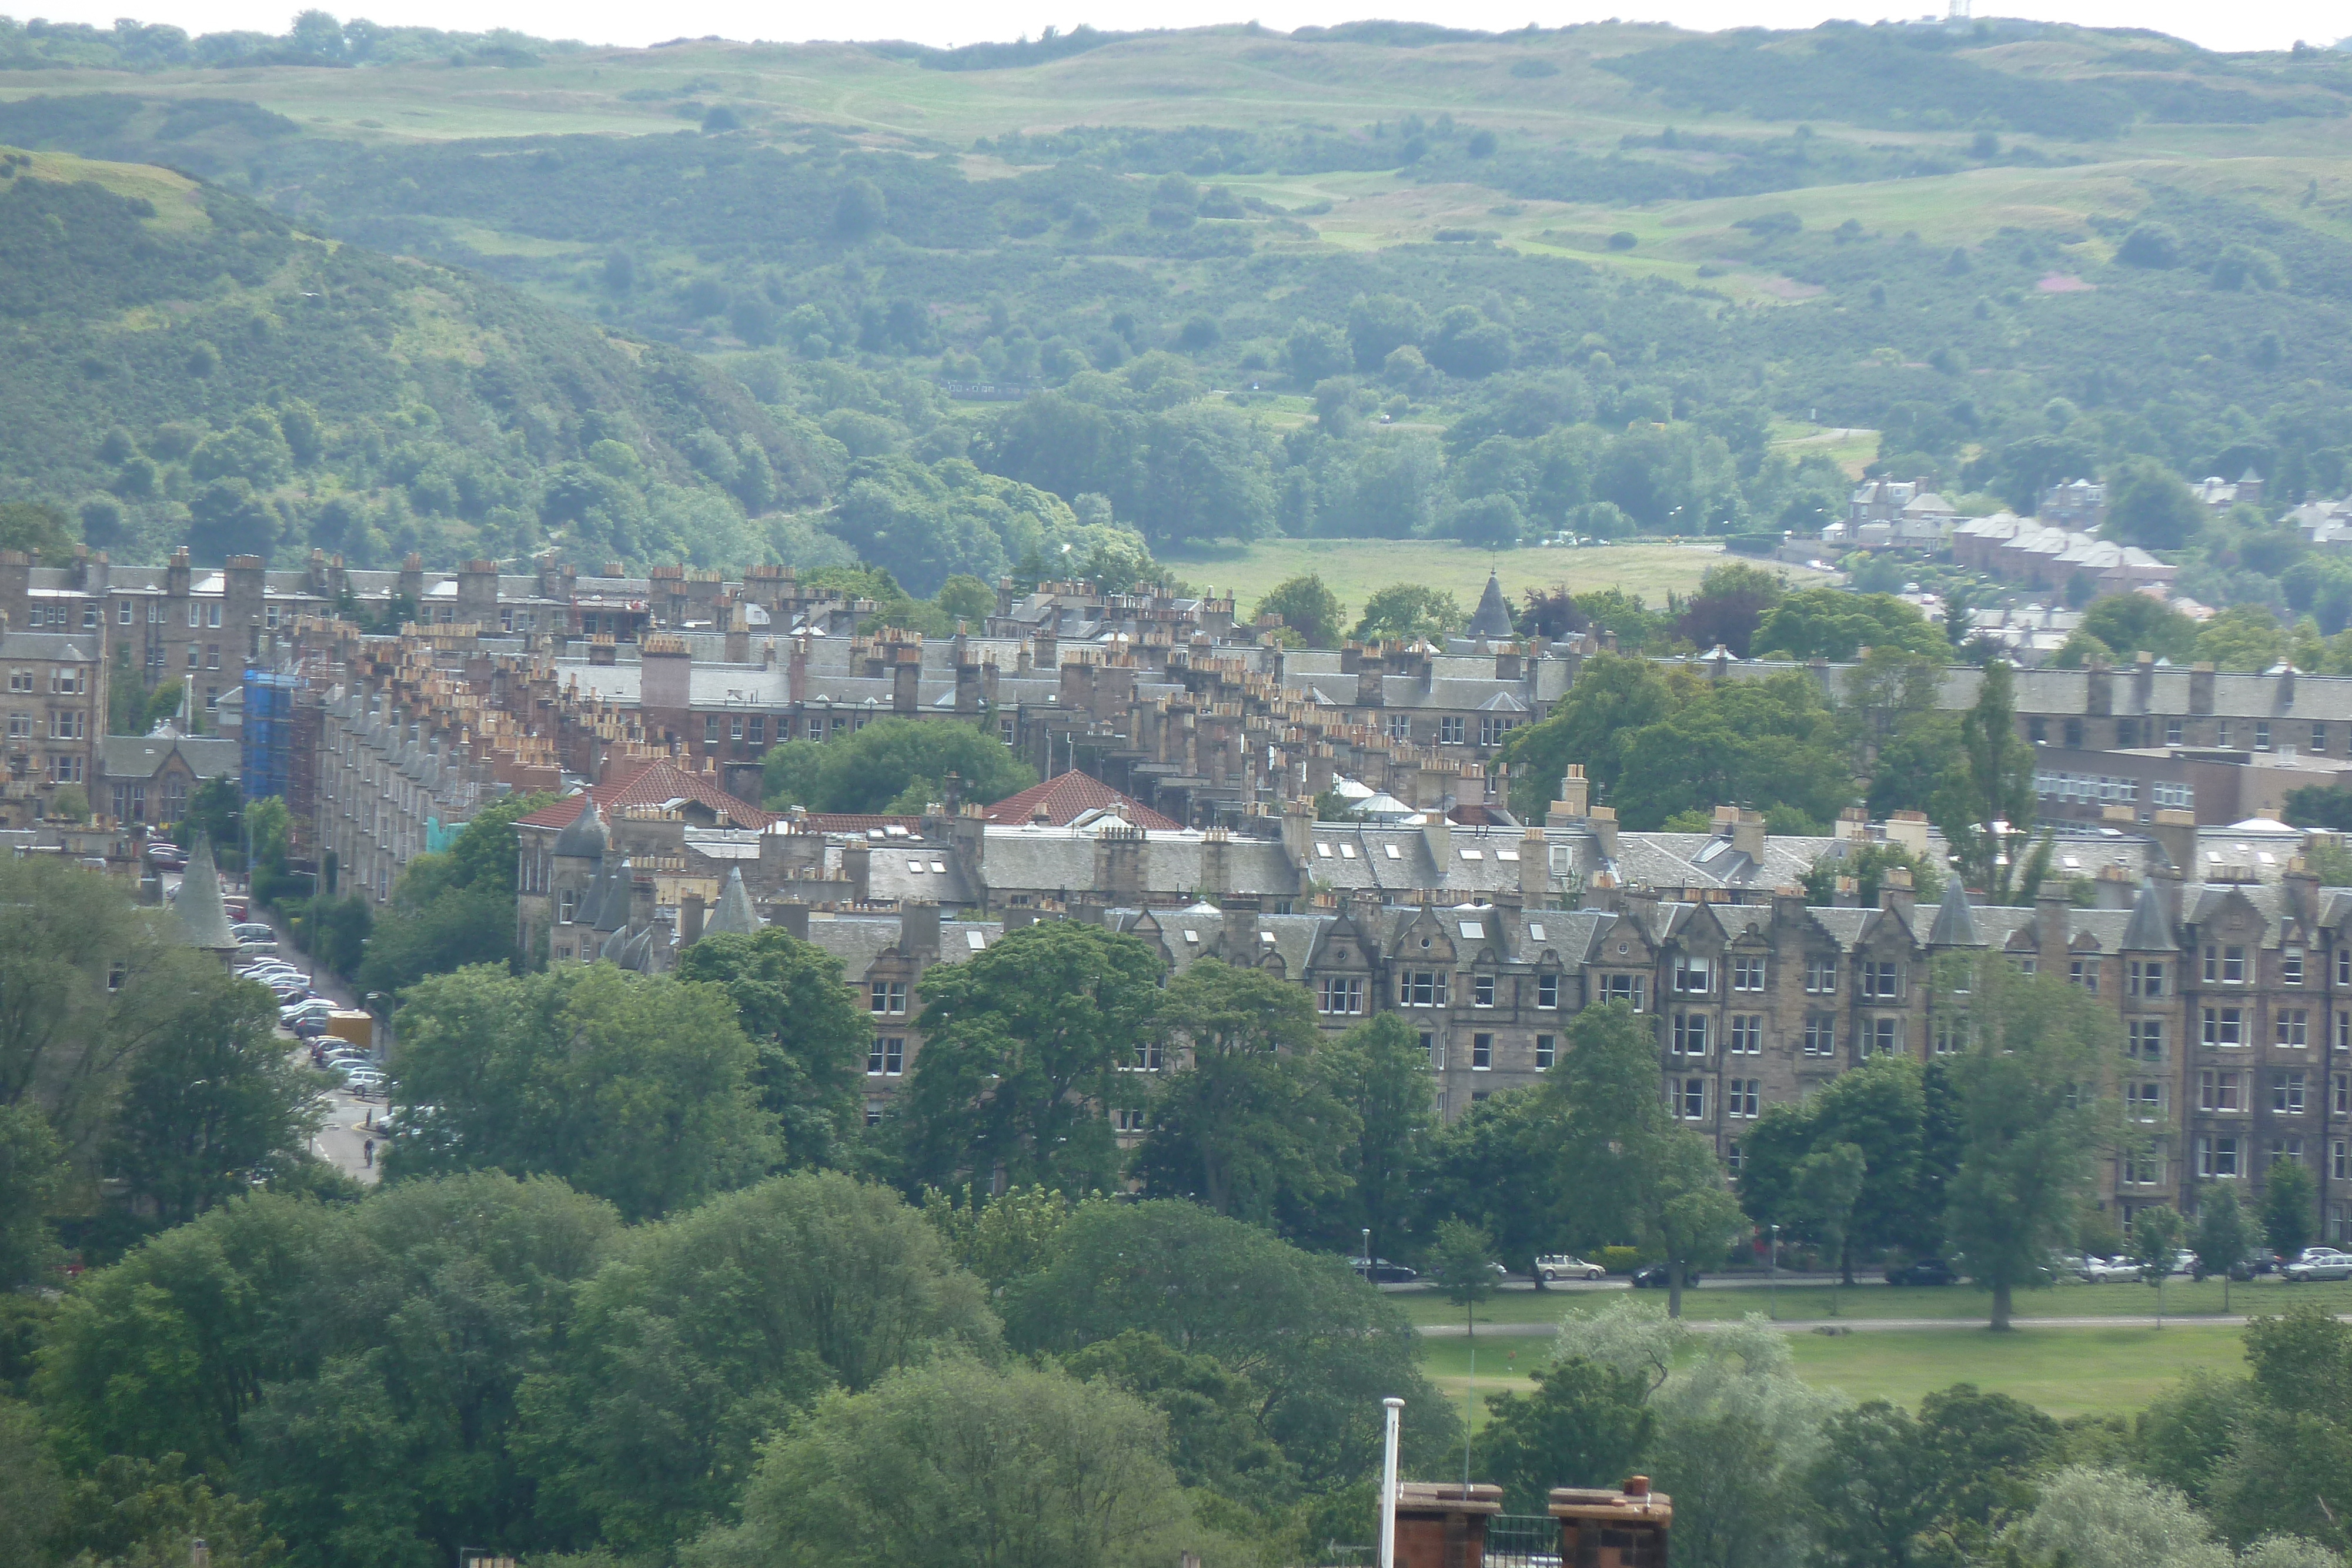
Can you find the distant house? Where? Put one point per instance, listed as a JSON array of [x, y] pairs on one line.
[[148, 778]]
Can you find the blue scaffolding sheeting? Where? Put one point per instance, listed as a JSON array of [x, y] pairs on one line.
[[268, 759]]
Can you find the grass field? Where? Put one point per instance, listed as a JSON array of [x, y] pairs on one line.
[[2065, 1371], [1356, 568], [1812, 1304]]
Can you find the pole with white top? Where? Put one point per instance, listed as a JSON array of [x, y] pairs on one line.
[[1395, 1408]]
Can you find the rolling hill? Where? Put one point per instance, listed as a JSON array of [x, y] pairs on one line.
[[1645, 263]]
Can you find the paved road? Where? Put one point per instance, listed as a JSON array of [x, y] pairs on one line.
[[344, 1137]]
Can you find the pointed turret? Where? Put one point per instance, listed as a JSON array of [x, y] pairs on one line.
[[1493, 620], [203, 918], [735, 916], [2148, 930], [1956, 923], [583, 837], [613, 914]]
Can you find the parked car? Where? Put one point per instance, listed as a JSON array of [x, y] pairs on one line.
[[1381, 1271], [308, 1028], [1922, 1272], [2318, 1263], [1655, 1278], [2254, 1263], [1567, 1266], [254, 930], [2109, 1271]]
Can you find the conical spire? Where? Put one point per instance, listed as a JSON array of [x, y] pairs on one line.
[[1493, 620], [2148, 931], [735, 916], [583, 837], [1956, 923], [204, 920]]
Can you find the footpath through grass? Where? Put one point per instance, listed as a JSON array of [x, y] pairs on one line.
[[2065, 1371], [1812, 1304]]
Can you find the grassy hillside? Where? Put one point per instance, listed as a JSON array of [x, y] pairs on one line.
[[1439, 285], [183, 363]]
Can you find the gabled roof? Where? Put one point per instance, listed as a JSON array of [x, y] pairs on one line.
[[660, 782], [1066, 797]]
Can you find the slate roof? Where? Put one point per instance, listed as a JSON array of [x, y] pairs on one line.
[[204, 919], [1492, 618]]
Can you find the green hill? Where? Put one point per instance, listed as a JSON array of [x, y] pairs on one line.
[[1372, 280]]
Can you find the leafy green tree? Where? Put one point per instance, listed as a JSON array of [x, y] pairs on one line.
[[1491, 1166], [704, 1336], [1407, 611], [1245, 1122], [1460, 1257], [1379, 1075], [1321, 1346], [1985, 805], [422, 1312], [1881, 1109], [1021, 1048], [1832, 623], [34, 1177], [1380, 324], [1730, 605], [955, 1463], [2148, 506], [167, 1351], [2134, 622], [37, 529], [890, 758], [210, 1101], [1308, 608], [2287, 1453], [1771, 743], [1829, 1182], [1315, 352], [67, 1036], [2244, 637], [2032, 1091], [2289, 1196], [1614, 699], [637, 1089], [808, 1030], [965, 598], [1000, 1239], [2223, 1238], [2156, 1236], [1890, 1491], [1214, 1440], [1585, 1424]]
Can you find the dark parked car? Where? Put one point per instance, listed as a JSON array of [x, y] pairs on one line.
[[1655, 1278], [1381, 1271], [1923, 1272], [2255, 1263]]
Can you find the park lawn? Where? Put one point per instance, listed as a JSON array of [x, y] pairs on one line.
[[1812, 1302], [1357, 568], [2065, 1371]]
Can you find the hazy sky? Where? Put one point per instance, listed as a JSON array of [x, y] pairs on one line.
[[2261, 24]]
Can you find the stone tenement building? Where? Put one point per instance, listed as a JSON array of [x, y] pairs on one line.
[[2233, 991]]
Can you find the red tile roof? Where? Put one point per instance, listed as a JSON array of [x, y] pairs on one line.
[[1069, 795], [656, 783]]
